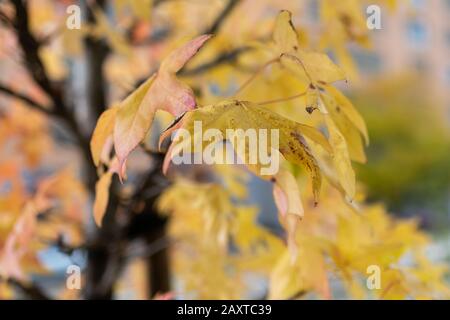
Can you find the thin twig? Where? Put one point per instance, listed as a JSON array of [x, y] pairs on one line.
[[30, 48], [5, 19], [221, 17], [26, 99], [300, 62]]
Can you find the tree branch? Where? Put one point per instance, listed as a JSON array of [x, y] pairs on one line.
[[30, 47], [5, 19], [25, 99], [221, 17], [97, 51], [29, 289], [223, 58]]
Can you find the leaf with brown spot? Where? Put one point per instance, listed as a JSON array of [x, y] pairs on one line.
[[246, 115]]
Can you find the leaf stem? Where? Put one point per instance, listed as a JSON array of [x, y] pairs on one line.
[[282, 99], [300, 62], [254, 75]]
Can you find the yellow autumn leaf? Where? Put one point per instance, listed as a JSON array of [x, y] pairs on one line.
[[290, 279], [341, 158], [287, 199], [311, 66], [246, 115], [140, 8], [345, 105], [101, 197], [161, 91], [284, 34], [287, 194], [103, 130], [346, 127]]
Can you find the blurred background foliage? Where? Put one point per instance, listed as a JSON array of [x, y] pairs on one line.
[[409, 151]]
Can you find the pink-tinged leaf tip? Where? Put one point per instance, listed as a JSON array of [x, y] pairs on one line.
[[178, 58]]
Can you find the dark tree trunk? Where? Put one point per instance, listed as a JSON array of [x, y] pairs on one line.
[[102, 251], [158, 265], [150, 227]]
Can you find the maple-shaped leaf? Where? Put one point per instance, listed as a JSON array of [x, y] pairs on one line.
[[312, 66], [246, 115], [134, 115], [344, 123]]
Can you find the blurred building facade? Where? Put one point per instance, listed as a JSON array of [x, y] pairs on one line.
[[414, 38]]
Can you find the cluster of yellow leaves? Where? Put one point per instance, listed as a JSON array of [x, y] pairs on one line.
[[334, 239], [23, 135], [139, 8], [126, 125], [208, 218], [219, 244], [343, 122], [24, 146], [205, 216], [316, 70], [338, 242], [245, 115], [24, 142], [58, 199]]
